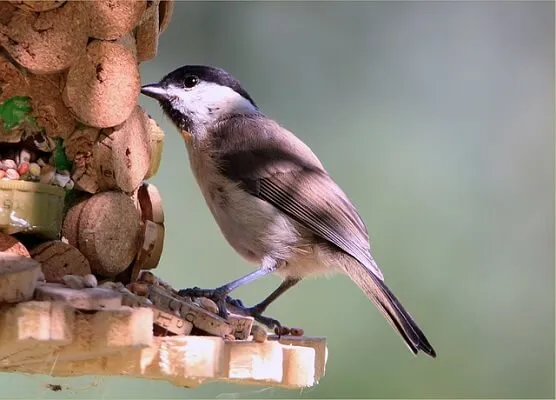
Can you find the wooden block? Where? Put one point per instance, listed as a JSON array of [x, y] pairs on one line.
[[199, 317], [123, 327], [254, 361], [191, 357], [33, 330], [103, 85], [316, 343], [298, 366], [79, 149], [111, 19], [83, 299], [49, 41], [108, 232], [122, 155], [59, 259], [171, 322], [18, 277]]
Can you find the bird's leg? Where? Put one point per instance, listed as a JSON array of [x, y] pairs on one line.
[[220, 294], [257, 310]]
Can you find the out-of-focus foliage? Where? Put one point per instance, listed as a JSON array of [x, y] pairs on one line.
[[437, 119]]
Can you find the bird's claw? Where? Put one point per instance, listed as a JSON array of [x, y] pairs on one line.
[[219, 296], [254, 312]]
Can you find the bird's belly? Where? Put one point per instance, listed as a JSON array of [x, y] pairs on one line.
[[253, 227]]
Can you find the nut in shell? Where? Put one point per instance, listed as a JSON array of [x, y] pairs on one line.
[[208, 304], [90, 281], [73, 281], [259, 334]]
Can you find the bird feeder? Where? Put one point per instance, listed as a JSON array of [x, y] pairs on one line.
[[79, 226]]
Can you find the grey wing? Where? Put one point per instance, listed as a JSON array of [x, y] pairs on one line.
[[280, 169], [315, 201]]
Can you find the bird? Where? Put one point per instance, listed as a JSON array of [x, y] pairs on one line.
[[271, 197]]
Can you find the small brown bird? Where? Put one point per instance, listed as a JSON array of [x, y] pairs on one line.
[[271, 197]]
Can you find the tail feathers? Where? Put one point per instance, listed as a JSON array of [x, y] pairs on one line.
[[375, 289]]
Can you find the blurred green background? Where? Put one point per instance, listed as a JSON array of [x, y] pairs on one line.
[[436, 118]]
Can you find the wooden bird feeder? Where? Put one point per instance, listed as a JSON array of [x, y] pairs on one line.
[[79, 226]]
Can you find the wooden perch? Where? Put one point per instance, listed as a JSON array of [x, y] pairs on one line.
[[55, 339]]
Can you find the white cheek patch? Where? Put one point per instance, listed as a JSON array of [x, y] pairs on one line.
[[208, 102]]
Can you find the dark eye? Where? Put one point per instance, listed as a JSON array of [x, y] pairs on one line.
[[190, 81]]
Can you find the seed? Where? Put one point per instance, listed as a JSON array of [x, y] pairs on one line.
[[259, 334], [8, 164], [282, 330], [41, 162], [90, 281], [296, 332], [35, 169], [148, 277], [12, 174], [138, 288], [61, 179], [24, 156], [69, 185], [2, 173], [229, 336], [208, 304], [73, 281], [23, 168], [47, 174]]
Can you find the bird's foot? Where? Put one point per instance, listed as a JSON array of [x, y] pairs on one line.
[[218, 295], [254, 312]]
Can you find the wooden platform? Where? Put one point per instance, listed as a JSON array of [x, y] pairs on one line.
[[56, 339]]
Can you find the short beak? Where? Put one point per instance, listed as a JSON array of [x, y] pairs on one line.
[[155, 90]]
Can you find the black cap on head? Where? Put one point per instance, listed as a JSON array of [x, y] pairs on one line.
[[207, 74]]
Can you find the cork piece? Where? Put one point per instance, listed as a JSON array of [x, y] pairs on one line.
[[150, 203], [33, 330], [103, 85], [18, 277], [49, 41], [37, 5], [200, 318], [147, 34], [7, 10], [83, 299], [9, 244], [12, 81], [59, 259], [79, 149], [150, 251], [157, 146], [122, 154], [70, 226], [108, 232], [111, 19], [47, 106], [166, 9]]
